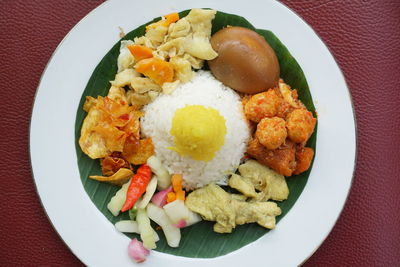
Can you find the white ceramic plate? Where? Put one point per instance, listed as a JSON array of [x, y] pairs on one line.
[[92, 237]]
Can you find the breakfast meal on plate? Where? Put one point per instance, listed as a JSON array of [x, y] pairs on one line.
[[185, 143]]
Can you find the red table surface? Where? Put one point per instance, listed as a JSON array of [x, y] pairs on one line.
[[364, 37]]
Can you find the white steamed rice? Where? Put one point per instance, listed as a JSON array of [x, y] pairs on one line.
[[204, 90]]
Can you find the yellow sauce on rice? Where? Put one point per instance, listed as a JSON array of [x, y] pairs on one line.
[[199, 132]]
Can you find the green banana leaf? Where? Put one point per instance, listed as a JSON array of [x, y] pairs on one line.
[[198, 240]]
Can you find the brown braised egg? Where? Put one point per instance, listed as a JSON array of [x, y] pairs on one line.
[[245, 60]]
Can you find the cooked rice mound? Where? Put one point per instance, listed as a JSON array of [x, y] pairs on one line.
[[204, 90]]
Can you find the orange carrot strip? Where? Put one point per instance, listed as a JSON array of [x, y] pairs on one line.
[[140, 51], [156, 69], [180, 195], [171, 197], [169, 19], [176, 181]]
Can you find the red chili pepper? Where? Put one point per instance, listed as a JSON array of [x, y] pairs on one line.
[[137, 187], [124, 116]]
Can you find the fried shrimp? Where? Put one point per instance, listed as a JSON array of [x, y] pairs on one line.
[[304, 156], [271, 132], [282, 160], [262, 105], [300, 124]]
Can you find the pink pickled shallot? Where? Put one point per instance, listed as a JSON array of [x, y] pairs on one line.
[[180, 224], [137, 251], [160, 199]]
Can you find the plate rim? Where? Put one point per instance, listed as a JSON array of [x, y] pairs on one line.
[[355, 131]]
